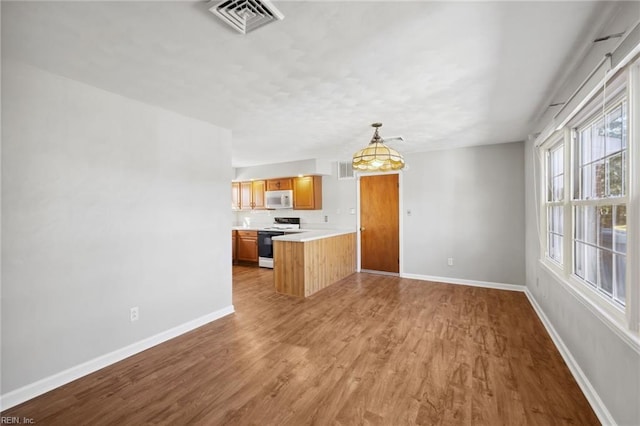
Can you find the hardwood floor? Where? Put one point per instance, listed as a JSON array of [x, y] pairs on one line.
[[370, 349]]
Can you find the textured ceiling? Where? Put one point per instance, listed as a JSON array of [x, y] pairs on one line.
[[440, 74]]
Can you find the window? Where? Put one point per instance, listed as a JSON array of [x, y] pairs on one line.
[[600, 204], [585, 228], [555, 198]]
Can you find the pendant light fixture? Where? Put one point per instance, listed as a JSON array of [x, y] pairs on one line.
[[377, 156]]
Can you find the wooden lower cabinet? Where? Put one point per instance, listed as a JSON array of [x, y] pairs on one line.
[[234, 236], [303, 268], [247, 246]]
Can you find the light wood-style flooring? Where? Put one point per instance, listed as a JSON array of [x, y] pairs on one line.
[[371, 349]]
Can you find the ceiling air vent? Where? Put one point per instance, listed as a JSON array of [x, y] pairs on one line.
[[245, 15]]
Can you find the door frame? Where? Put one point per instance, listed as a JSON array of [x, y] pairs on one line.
[[400, 218]]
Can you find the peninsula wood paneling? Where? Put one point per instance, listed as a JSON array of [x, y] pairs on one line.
[[373, 349], [304, 268]]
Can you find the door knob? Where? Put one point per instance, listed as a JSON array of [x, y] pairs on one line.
[[361, 228]]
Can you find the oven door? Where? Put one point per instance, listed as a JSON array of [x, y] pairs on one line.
[[265, 247]]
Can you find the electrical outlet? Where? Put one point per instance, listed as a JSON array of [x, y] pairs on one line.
[[134, 314], [450, 261], [326, 218]]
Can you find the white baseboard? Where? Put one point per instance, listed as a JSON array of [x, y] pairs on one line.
[[473, 283], [32, 390], [592, 396]]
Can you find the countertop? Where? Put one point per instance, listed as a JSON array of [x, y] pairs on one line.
[[312, 234], [299, 235]]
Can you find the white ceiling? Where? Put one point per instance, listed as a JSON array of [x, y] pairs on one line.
[[440, 74]]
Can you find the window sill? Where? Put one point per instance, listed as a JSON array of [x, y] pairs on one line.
[[610, 315]]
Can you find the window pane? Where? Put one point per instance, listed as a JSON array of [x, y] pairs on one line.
[[598, 140], [578, 223], [557, 161], [624, 173], [593, 181], [624, 125], [614, 131], [558, 247], [614, 165], [598, 174], [586, 186], [555, 218], [591, 263], [585, 146], [620, 229], [605, 228], [579, 260], [589, 217], [621, 264], [555, 247], [605, 264], [558, 188]]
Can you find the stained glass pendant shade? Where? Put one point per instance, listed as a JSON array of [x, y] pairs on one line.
[[377, 156]]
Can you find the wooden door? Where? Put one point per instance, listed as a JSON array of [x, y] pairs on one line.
[[380, 223]]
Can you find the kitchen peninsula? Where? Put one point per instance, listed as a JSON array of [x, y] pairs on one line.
[[307, 262]]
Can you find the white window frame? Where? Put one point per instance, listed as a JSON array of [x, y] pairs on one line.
[[558, 138], [611, 105], [625, 321]]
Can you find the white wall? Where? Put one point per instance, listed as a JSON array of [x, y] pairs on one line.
[[278, 170], [467, 204], [107, 203]]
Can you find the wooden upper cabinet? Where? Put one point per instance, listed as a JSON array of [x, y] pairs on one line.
[[251, 194], [235, 195], [279, 184], [307, 193], [257, 193], [246, 202]]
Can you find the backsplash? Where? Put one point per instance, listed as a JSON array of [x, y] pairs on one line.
[[311, 219]]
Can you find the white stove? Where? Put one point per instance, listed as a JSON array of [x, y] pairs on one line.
[[280, 227], [265, 245]]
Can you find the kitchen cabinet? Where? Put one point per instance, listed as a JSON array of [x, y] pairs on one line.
[[307, 193], [279, 184], [252, 195], [235, 196], [247, 246]]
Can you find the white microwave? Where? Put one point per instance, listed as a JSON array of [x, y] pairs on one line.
[[279, 199]]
